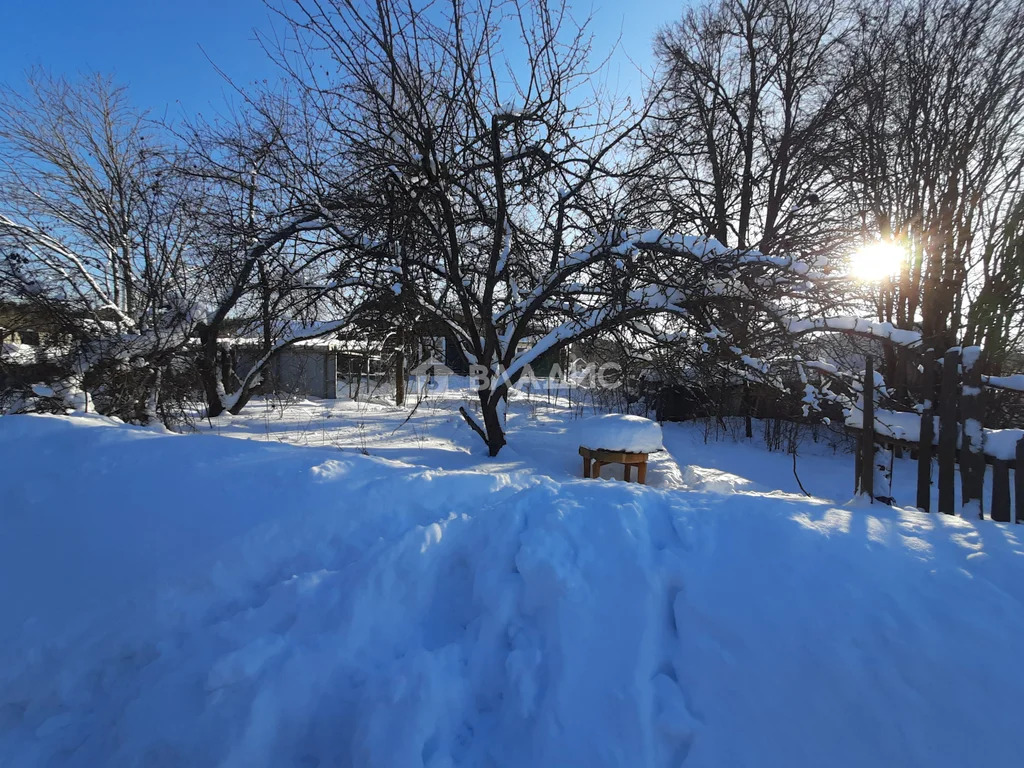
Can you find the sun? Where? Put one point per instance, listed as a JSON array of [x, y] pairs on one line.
[[876, 261]]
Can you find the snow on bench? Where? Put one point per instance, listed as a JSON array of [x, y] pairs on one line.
[[618, 439], [620, 432]]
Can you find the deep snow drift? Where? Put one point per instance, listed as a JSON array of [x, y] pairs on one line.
[[198, 600]]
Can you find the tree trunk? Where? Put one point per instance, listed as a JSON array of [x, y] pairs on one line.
[[400, 371], [208, 373], [490, 402], [243, 400], [493, 431]]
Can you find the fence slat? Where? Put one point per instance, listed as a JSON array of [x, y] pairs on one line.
[[948, 426], [925, 445], [867, 432], [972, 460], [1001, 491], [857, 468], [1018, 483]]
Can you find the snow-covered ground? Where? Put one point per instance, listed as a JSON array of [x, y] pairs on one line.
[[348, 587]]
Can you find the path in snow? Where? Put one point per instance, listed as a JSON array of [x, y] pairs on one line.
[[542, 435], [543, 439], [202, 601]]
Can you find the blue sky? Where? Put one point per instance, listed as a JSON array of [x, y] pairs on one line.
[[157, 47]]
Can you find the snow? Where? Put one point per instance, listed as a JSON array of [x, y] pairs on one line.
[[901, 425], [970, 356], [1013, 382], [391, 597], [1002, 443], [905, 425], [620, 432], [856, 325], [17, 354]]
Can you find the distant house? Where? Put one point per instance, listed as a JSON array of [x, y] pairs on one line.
[[332, 367], [307, 368], [25, 325]]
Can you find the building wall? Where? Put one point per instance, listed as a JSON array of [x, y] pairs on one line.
[[301, 371], [309, 372]]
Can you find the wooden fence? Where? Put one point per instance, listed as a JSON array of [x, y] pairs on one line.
[[960, 412]]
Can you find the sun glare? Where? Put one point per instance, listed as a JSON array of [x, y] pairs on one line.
[[876, 261]]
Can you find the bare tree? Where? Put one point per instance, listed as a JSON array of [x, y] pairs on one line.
[[285, 259], [744, 136], [98, 230], [938, 96], [483, 177], [500, 184]]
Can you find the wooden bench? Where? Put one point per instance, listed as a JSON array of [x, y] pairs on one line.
[[627, 460]]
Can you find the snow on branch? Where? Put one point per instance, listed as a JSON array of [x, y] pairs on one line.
[[1014, 382], [857, 326], [33, 238]]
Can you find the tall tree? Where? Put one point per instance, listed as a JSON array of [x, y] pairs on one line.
[[745, 132], [102, 225], [287, 258], [498, 181], [937, 100]]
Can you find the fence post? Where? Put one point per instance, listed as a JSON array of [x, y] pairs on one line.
[[925, 447], [1001, 491], [857, 468], [867, 432], [948, 428], [1018, 483], [400, 370], [972, 460]]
